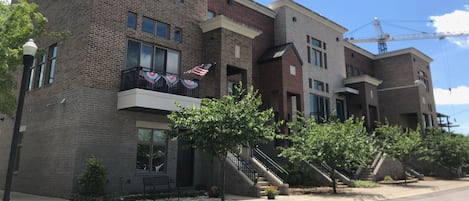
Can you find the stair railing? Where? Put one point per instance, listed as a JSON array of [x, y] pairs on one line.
[[270, 164], [338, 174], [243, 166]]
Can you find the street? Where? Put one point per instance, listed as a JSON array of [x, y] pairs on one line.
[[458, 194]]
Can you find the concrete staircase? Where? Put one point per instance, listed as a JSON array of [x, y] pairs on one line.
[[367, 175], [339, 182], [263, 184]]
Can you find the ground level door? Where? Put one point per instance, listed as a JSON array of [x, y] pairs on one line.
[[185, 165]]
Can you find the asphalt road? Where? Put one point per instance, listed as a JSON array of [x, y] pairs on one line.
[[458, 194]]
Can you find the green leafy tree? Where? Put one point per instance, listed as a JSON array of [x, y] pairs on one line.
[[219, 126], [447, 149], [92, 180], [340, 145], [18, 23], [399, 144]]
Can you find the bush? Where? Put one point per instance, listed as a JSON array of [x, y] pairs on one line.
[[365, 184], [92, 180], [388, 178]]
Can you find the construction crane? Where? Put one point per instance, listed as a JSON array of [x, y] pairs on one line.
[[385, 37]]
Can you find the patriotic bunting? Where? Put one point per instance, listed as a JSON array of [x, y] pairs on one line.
[[189, 84], [151, 77], [171, 80]]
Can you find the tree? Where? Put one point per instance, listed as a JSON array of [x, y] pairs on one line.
[[399, 144], [219, 126], [92, 180], [339, 145], [18, 23], [447, 149]]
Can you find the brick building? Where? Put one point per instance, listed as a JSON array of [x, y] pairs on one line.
[[103, 91]]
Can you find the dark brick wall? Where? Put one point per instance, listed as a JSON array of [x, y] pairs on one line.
[[359, 61]]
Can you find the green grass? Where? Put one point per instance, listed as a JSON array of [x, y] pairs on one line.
[[365, 184]]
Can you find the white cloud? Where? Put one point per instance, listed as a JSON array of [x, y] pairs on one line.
[[454, 22], [457, 96]]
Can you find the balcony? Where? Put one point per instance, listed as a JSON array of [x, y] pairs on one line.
[[142, 88]]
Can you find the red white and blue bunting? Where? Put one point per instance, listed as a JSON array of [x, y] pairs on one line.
[[171, 80], [151, 77], [189, 84]]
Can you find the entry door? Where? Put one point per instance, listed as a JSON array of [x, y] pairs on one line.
[[185, 165]]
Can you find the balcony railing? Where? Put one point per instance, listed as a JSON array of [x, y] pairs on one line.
[[135, 78]]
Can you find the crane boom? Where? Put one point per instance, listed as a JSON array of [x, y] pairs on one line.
[[384, 37]]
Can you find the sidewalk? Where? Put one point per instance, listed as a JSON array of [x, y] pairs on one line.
[[384, 192], [15, 196]]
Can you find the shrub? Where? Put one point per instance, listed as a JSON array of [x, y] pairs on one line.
[[388, 178], [365, 184], [92, 180]]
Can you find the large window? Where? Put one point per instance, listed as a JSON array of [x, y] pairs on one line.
[[151, 151], [319, 107], [316, 52], [40, 70], [51, 65], [162, 30], [153, 57], [43, 69], [148, 25]]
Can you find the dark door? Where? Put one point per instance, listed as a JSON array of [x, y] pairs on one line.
[[185, 165]]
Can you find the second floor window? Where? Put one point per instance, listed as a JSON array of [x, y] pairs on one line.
[[51, 64], [131, 20], [158, 59]]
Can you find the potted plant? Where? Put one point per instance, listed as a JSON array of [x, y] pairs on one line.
[[271, 192]]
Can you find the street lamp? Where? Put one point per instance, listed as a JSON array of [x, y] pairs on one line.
[[29, 50], [416, 83]]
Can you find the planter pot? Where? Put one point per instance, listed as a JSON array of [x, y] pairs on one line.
[[271, 197]]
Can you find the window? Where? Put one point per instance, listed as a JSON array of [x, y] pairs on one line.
[[316, 56], [148, 25], [162, 30], [153, 57], [51, 66], [292, 70], [151, 151], [310, 82], [131, 20], [349, 70], [210, 14], [40, 70], [318, 85], [319, 107], [18, 152], [315, 42], [178, 35]]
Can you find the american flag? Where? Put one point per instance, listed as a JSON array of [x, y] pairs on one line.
[[198, 70]]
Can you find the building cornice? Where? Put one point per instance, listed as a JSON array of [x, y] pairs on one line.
[[305, 11], [359, 50], [221, 21], [363, 78], [257, 7], [405, 51]]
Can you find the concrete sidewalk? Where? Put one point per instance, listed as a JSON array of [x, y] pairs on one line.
[[15, 196], [384, 192]]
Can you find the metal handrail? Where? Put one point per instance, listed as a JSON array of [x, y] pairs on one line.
[[271, 165], [243, 166]]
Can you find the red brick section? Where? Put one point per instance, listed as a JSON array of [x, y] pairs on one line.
[[251, 18], [359, 61]]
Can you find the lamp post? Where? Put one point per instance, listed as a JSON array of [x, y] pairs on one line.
[[29, 50]]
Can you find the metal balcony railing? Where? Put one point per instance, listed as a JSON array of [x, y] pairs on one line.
[[133, 78]]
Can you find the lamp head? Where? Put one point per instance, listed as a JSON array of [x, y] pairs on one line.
[[30, 48]]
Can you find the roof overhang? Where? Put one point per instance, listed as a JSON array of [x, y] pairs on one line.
[[221, 21], [346, 90], [363, 78]]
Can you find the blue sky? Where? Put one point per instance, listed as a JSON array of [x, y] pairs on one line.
[[450, 68]]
